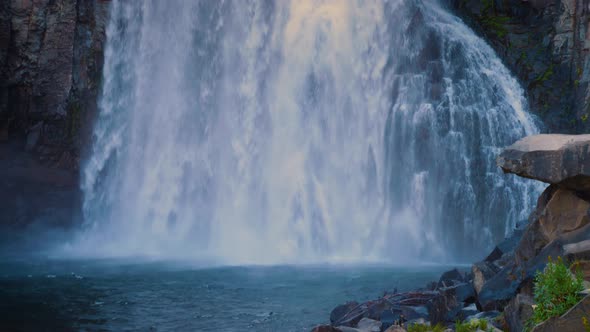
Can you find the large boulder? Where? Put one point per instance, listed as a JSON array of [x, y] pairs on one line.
[[482, 272], [559, 212], [507, 246], [447, 305], [557, 159], [564, 213], [518, 311], [450, 278]]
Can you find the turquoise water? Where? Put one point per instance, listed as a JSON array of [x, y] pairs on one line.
[[107, 295]]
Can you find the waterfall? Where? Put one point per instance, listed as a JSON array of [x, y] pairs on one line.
[[300, 131]]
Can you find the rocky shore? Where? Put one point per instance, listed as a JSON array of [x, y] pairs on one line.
[[499, 289]]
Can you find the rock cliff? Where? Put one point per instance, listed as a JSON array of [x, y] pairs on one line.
[[546, 44], [51, 54]]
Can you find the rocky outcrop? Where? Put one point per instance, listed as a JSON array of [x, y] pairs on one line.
[[563, 160], [546, 44], [51, 55], [559, 226], [503, 281], [450, 299]]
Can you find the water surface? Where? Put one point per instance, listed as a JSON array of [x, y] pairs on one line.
[[109, 295]]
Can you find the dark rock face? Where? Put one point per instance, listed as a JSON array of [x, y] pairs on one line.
[[51, 55], [563, 160], [545, 43], [35, 194], [518, 311]]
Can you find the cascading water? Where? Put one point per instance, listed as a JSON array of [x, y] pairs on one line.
[[300, 131]]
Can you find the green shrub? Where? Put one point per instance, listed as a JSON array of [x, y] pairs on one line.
[[426, 328], [471, 326], [556, 291]]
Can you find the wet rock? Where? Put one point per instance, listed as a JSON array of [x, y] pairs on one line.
[[431, 285], [450, 278], [369, 325], [352, 317], [449, 302], [556, 159], [518, 311], [340, 311], [388, 318], [482, 272], [348, 329], [506, 246], [498, 291], [487, 315], [467, 311], [572, 320], [325, 328]]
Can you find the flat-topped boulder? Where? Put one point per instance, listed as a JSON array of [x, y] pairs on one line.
[[563, 160]]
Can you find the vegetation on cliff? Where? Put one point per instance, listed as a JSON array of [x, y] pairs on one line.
[[556, 291]]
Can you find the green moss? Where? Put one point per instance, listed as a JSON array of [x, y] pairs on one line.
[[545, 75], [495, 24]]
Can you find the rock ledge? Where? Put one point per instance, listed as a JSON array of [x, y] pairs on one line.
[[563, 160]]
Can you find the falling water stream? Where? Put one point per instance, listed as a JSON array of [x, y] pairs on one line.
[[265, 132]]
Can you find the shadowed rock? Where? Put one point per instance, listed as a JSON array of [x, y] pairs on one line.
[[341, 310], [518, 311], [557, 159]]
